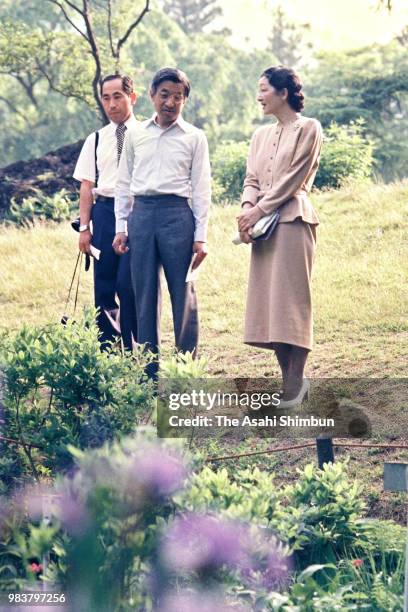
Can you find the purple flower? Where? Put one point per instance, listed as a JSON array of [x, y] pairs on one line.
[[72, 511], [32, 501], [270, 561], [199, 542], [277, 570], [154, 471], [198, 602]]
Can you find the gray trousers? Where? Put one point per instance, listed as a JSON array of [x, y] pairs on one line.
[[161, 235]]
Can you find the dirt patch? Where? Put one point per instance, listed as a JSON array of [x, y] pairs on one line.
[[49, 173]]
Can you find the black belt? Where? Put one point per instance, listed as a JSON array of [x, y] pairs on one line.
[[162, 198], [105, 199]]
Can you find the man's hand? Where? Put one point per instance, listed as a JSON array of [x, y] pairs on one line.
[[201, 249], [248, 218], [120, 243], [85, 241]]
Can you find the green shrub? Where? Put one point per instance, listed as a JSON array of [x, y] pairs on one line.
[[325, 521], [40, 207], [115, 541], [250, 496], [228, 169], [319, 516], [107, 537], [346, 154], [60, 389]]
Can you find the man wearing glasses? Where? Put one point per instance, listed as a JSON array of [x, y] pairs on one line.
[[165, 167]]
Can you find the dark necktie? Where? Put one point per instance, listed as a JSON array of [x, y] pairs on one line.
[[120, 137]]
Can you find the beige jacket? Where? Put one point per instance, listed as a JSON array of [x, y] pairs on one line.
[[282, 164]]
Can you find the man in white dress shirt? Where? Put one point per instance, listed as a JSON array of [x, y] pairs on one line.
[[165, 164], [97, 169]]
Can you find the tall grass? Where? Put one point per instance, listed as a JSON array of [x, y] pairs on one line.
[[360, 288]]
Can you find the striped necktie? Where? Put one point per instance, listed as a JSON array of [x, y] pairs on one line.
[[120, 137]]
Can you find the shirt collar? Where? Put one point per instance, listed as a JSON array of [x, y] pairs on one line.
[[184, 125], [129, 122]]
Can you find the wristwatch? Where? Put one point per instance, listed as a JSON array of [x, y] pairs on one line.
[[83, 228]]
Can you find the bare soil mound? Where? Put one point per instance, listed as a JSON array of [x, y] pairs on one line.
[[49, 173]]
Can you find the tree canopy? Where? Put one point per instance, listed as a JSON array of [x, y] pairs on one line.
[[49, 74], [369, 84], [289, 41], [192, 15]]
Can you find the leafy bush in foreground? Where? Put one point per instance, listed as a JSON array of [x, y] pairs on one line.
[[132, 529], [114, 542], [60, 389], [122, 537], [319, 516]]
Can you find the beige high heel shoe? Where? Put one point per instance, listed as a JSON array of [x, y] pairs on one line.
[[298, 400]]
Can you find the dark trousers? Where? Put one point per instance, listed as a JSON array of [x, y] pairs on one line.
[[161, 235], [111, 277]]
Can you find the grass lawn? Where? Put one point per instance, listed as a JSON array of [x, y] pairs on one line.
[[360, 305], [360, 286]]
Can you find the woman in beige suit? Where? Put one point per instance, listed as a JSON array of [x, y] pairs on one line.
[[282, 163]]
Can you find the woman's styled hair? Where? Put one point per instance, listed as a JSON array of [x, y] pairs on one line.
[[286, 78], [170, 74]]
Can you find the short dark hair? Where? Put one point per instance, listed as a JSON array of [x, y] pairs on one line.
[[281, 77], [127, 83], [170, 74]]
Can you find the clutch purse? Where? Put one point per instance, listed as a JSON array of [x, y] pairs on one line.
[[263, 228]]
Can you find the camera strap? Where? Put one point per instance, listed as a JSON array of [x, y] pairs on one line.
[[96, 158], [77, 268]]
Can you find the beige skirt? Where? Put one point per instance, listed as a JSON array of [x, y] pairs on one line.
[[279, 302]]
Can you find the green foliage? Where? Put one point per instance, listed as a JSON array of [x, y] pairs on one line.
[[251, 496], [183, 365], [369, 83], [346, 155], [366, 583], [28, 54], [318, 516], [40, 207], [372, 573], [229, 168], [108, 521], [27, 44], [117, 529], [325, 520], [60, 389], [342, 87], [40, 123], [105, 521]]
